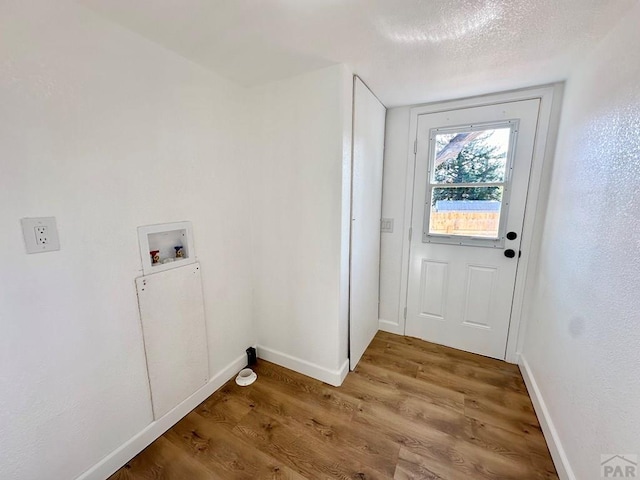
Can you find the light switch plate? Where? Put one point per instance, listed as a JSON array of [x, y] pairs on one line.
[[40, 234], [386, 225]]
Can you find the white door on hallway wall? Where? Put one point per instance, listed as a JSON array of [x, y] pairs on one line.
[[471, 178], [366, 207]]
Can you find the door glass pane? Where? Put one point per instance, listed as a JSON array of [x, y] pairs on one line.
[[471, 157], [469, 211]]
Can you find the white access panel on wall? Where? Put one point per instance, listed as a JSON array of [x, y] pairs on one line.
[[366, 208], [175, 340]]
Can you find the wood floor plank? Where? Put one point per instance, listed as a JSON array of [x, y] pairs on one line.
[[313, 391], [228, 455], [475, 388], [496, 439], [363, 444], [450, 353], [388, 362], [164, 461], [512, 419], [448, 454], [225, 411], [418, 388], [302, 451], [410, 410], [460, 368], [463, 463], [269, 436], [413, 466]]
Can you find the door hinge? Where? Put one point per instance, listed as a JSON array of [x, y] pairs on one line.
[[410, 232], [405, 313], [415, 146]]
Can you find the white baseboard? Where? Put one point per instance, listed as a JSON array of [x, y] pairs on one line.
[[389, 326], [560, 460], [116, 459], [332, 377], [513, 358]]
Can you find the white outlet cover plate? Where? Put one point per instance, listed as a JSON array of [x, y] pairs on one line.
[[386, 225], [29, 226]]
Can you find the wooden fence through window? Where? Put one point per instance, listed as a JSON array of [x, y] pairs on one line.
[[477, 224]]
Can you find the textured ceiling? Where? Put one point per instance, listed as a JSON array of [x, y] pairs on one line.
[[408, 51]]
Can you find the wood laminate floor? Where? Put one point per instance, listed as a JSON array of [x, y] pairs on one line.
[[411, 409]]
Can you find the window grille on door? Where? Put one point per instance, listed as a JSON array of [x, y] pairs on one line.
[[468, 183]]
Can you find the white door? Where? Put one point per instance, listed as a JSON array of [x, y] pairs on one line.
[[366, 207], [470, 188]]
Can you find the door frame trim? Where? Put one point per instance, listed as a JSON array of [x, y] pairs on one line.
[[543, 152]]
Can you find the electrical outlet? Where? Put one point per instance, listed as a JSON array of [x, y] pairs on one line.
[[40, 234]]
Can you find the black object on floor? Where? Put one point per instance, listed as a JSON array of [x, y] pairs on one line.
[[252, 357]]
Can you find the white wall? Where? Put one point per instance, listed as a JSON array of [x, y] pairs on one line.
[[300, 131], [106, 131], [582, 343], [393, 203]]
